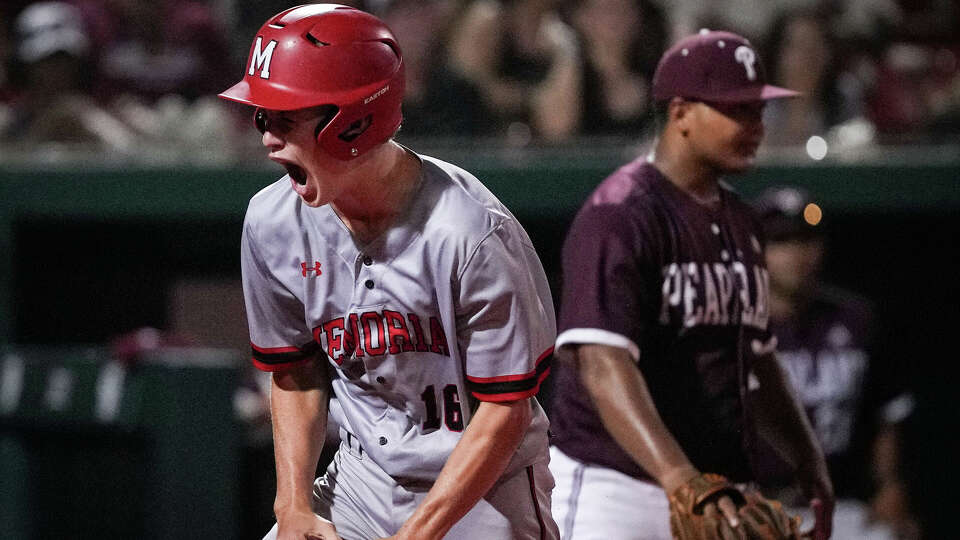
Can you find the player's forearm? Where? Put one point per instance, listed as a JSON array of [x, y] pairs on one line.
[[298, 403], [476, 463], [779, 416], [620, 394]]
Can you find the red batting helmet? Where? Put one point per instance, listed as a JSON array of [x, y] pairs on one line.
[[328, 54]]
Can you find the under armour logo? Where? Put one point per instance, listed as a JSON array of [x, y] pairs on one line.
[[304, 269], [260, 58], [748, 58]]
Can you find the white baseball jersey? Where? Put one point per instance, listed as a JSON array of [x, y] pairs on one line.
[[448, 307]]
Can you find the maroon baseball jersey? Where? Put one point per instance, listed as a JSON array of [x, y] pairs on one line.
[[684, 289], [825, 350]]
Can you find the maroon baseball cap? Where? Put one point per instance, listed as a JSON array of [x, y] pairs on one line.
[[714, 66]]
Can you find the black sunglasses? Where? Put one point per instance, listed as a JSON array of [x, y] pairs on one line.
[[282, 124]]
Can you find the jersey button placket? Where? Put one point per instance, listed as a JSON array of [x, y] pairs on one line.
[[367, 261], [382, 441]]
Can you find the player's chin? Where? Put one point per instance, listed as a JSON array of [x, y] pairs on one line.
[[741, 162], [308, 191], [312, 199]]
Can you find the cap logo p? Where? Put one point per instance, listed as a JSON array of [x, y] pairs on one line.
[[260, 58], [748, 58]]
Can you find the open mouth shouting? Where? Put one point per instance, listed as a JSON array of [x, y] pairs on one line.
[[296, 172], [298, 180]]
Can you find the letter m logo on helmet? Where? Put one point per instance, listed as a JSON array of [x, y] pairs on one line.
[[260, 58], [328, 54]]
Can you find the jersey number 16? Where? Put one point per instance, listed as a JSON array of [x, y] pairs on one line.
[[452, 413]]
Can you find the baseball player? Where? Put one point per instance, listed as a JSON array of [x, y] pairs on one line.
[[825, 343], [398, 283], [663, 327]]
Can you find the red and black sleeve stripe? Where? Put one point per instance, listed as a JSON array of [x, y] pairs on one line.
[[280, 358], [512, 387]]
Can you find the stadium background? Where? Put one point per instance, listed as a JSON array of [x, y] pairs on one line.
[[94, 245]]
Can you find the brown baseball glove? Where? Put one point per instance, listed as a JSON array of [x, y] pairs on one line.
[[760, 518]]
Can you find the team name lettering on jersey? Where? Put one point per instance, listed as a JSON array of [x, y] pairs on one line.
[[719, 294], [374, 333], [829, 382]]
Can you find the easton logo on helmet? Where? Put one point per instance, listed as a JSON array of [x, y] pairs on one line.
[[260, 58], [377, 94]]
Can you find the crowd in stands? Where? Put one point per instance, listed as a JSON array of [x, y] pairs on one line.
[[139, 78], [127, 75]]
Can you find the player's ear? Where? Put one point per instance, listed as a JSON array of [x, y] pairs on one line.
[[678, 113]]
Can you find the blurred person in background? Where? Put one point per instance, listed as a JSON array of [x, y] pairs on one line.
[[916, 98], [158, 66], [149, 49], [438, 101], [6, 54], [803, 55], [51, 80], [826, 344], [622, 41], [526, 62]]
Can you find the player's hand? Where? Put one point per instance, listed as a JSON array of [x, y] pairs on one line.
[[814, 480], [706, 507], [294, 525], [723, 507]]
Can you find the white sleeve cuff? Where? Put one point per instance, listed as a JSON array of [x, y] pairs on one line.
[[599, 337]]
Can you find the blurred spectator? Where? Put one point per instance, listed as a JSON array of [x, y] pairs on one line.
[[6, 53], [622, 41], [750, 18], [249, 16], [826, 342], [917, 94], [437, 100], [151, 48], [526, 61], [802, 55], [51, 77], [903, 55]]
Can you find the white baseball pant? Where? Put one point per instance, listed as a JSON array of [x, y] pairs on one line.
[[364, 502], [591, 502]]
